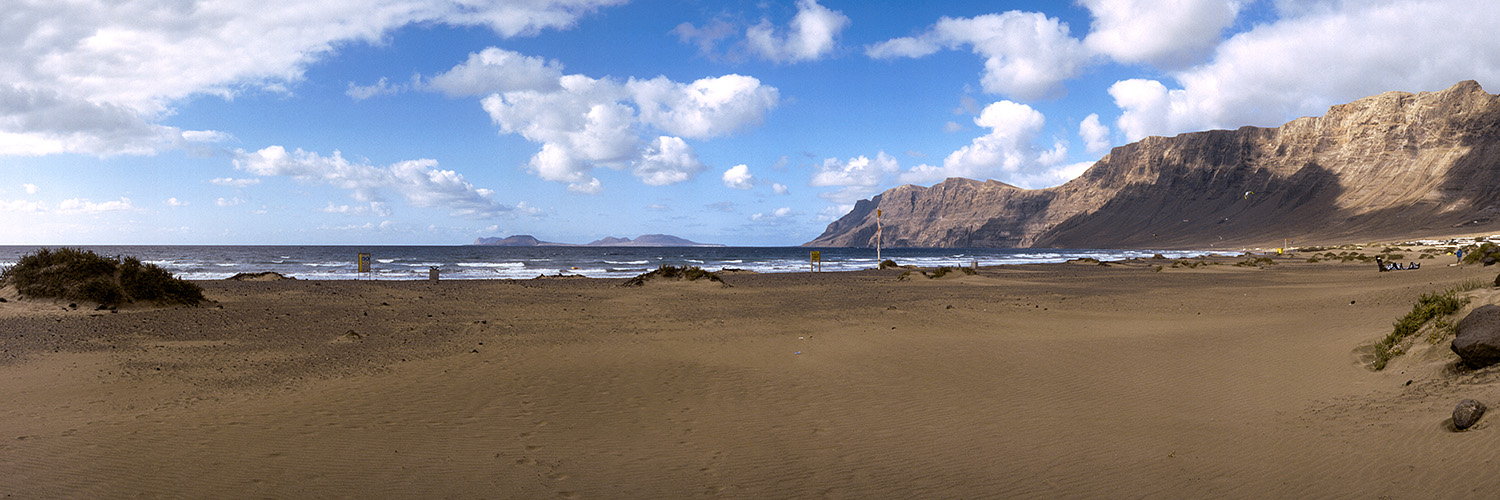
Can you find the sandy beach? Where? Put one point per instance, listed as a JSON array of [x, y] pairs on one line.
[[1037, 381]]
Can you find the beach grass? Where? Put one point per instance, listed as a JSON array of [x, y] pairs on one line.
[[1428, 307]]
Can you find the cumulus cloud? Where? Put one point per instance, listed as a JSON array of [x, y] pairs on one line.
[[174, 202], [668, 160], [379, 88], [229, 202], [1095, 135], [497, 70], [1165, 33], [779, 188], [22, 206], [860, 176], [708, 107], [1008, 151], [87, 76], [31, 188], [232, 182], [84, 206], [587, 122], [373, 209], [813, 34], [1315, 57], [738, 177], [1027, 54], [779, 214], [420, 182]]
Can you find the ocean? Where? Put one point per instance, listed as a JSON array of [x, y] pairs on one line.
[[493, 262]]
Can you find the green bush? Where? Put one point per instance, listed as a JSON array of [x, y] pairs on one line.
[[1256, 261], [1486, 253], [686, 273], [73, 274], [943, 271], [1428, 306]]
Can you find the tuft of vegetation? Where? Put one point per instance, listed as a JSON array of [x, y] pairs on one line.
[[1256, 261], [1428, 307], [74, 274], [888, 264], [945, 270], [1191, 264], [1485, 253], [682, 273]]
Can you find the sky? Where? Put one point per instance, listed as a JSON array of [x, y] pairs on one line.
[[381, 122]]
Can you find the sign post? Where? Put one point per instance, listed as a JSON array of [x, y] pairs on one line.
[[879, 235], [816, 264], [364, 263]]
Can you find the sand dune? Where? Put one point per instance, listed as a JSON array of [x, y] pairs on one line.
[[1052, 381]]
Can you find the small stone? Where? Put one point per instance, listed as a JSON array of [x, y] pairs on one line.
[[1467, 413]]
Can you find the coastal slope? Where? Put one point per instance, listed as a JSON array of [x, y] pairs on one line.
[[1390, 166]]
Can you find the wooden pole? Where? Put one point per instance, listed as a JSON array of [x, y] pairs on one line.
[[879, 236]]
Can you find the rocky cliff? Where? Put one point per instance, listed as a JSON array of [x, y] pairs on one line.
[[1392, 166]]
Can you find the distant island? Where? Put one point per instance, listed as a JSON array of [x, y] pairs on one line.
[[645, 240]]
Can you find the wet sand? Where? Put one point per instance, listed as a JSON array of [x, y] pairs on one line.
[[1039, 381]]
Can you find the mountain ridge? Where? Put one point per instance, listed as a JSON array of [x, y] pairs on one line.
[[1393, 165]]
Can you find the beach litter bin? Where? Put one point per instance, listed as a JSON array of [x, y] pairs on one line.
[[432, 273]]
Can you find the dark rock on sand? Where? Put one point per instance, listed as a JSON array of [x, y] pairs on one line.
[[1467, 413], [1478, 340]]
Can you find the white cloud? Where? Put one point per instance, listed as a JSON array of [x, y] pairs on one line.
[[775, 215], [174, 202], [1316, 57], [952, 127], [708, 107], [1165, 33], [381, 87], [229, 202], [589, 122], [30, 188], [706, 38], [418, 181], [87, 76], [813, 34], [738, 177], [858, 171], [668, 160], [1008, 151], [84, 206], [232, 182], [373, 209], [834, 212], [779, 188], [22, 206], [497, 70], [1095, 135], [1027, 54], [860, 177]]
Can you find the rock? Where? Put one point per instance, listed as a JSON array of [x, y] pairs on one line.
[[1478, 339], [1421, 155], [1467, 413], [1497, 283]]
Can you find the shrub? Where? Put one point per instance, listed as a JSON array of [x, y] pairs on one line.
[[943, 271], [73, 274], [1256, 261], [1428, 306], [1486, 253], [685, 273], [888, 264]]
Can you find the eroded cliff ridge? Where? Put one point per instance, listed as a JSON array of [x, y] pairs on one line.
[[1392, 166]]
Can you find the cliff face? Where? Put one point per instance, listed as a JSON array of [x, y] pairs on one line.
[[1392, 166]]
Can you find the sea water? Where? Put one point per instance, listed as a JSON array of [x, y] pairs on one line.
[[494, 262]]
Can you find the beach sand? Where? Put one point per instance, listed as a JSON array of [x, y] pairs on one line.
[[1037, 381]]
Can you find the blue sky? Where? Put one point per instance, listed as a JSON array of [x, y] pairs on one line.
[[735, 122]]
